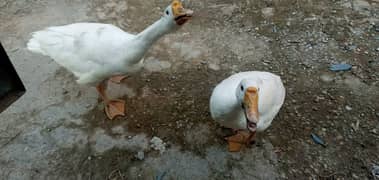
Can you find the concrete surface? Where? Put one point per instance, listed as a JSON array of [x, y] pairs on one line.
[[58, 130]]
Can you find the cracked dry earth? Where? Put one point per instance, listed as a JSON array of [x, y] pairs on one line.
[[58, 130]]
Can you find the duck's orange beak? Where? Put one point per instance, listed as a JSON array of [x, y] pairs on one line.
[[181, 15], [250, 102]]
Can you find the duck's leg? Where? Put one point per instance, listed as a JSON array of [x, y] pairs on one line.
[[236, 141], [118, 78], [114, 107], [251, 138]]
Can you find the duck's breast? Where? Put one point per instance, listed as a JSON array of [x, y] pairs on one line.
[[224, 106], [271, 98]]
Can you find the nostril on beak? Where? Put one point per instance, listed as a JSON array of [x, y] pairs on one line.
[[251, 126]]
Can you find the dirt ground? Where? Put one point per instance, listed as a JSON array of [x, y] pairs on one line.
[[58, 130]]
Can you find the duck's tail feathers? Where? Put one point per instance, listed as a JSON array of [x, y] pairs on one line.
[[34, 43]]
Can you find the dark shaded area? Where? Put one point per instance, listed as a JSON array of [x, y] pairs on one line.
[[11, 87]]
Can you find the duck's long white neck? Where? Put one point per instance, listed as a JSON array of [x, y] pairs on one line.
[[152, 33], [147, 37]]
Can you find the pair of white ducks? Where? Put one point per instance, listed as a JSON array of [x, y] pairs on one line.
[[246, 102]]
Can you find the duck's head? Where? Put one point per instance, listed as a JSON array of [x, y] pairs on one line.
[[248, 96], [176, 13]]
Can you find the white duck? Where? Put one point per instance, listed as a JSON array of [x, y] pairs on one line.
[[94, 52], [247, 102]]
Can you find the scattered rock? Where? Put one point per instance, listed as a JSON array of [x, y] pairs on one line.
[[347, 107], [214, 67], [355, 176], [375, 171], [157, 144], [140, 155], [326, 78], [355, 126], [295, 41]]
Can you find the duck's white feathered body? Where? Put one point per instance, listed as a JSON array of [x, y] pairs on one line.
[[91, 51], [94, 52], [226, 109]]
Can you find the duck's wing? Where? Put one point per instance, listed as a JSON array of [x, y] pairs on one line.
[[81, 47], [272, 93]]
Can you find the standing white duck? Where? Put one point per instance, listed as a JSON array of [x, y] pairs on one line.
[[94, 52], [247, 102]]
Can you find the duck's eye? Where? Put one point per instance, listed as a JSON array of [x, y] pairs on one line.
[[241, 88], [167, 12]]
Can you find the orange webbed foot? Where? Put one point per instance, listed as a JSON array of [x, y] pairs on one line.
[[115, 108], [118, 79], [236, 141]]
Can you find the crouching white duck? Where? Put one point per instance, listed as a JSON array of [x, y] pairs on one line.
[[94, 52], [247, 102]]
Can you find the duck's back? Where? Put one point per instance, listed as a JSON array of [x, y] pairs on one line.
[[80, 47]]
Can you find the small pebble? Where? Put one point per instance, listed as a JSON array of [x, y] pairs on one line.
[[377, 28], [375, 171], [355, 176], [157, 144], [140, 155], [348, 108], [326, 78], [339, 137]]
